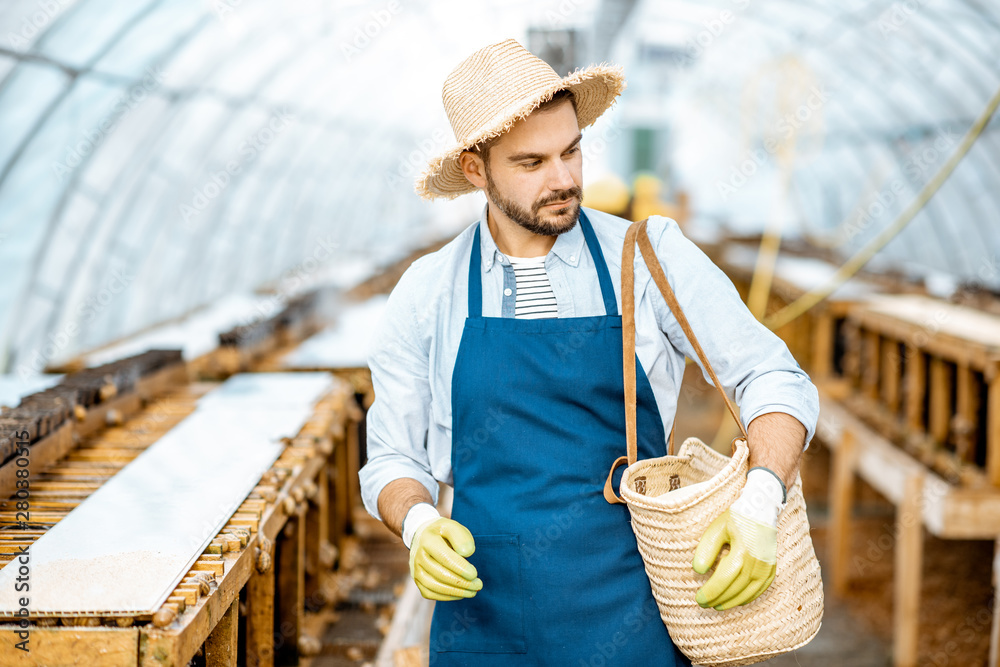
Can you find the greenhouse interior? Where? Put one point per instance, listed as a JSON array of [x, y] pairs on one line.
[[314, 264]]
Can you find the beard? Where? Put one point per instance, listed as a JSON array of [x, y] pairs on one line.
[[559, 221]]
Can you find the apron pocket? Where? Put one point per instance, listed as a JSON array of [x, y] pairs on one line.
[[493, 620]]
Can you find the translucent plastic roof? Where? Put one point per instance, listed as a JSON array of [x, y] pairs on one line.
[[159, 155], [825, 119]]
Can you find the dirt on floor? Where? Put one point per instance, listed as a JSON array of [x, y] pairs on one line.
[[956, 596]]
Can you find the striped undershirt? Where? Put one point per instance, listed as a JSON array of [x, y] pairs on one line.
[[535, 298]]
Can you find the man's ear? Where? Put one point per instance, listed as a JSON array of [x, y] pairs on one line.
[[474, 168]]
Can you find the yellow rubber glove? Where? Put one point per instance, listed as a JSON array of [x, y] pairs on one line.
[[437, 560], [749, 526]]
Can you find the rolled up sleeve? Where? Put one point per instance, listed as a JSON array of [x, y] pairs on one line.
[[752, 363], [398, 419]]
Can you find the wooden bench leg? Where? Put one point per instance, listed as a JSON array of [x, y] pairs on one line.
[[260, 617], [222, 644], [354, 445], [317, 525], [907, 575], [340, 494], [290, 590], [841, 501], [995, 626], [993, 427]]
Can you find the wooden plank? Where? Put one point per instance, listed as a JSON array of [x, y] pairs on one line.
[[929, 338], [841, 501], [995, 624], [317, 524], [892, 369], [290, 597], [260, 614], [852, 352], [96, 417], [177, 643], [41, 456], [74, 646], [340, 491], [939, 419], [993, 430], [966, 409], [273, 519], [221, 645], [907, 574], [915, 388], [886, 467], [354, 465], [822, 346], [872, 357], [948, 511], [411, 656]]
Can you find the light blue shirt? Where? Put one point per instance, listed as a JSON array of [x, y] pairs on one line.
[[414, 351]]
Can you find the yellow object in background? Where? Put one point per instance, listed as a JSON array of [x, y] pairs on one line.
[[608, 194], [646, 198]]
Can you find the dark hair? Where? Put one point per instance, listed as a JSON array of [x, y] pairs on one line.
[[482, 149]]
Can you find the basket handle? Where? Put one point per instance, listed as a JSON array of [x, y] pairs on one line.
[[637, 232]]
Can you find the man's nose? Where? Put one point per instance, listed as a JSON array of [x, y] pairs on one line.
[[560, 177]]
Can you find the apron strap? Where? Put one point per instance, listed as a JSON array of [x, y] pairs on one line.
[[637, 232], [603, 276], [476, 279]]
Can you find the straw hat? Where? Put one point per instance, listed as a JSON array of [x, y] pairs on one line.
[[494, 88]]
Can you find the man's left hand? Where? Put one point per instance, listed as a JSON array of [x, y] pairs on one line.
[[749, 526]]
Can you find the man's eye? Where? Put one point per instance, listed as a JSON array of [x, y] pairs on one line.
[[575, 149], [532, 164]]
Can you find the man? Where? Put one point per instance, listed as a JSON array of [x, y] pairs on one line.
[[498, 369]]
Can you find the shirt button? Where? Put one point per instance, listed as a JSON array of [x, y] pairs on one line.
[[507, 292], [501, 258], [572, 258]]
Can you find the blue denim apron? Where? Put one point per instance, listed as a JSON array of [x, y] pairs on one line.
[[538, 416]]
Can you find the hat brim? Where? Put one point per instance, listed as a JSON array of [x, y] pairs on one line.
[[595, 89]]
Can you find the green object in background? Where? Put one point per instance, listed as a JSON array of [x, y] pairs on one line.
[[643, 149]]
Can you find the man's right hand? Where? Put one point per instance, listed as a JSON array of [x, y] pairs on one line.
[[438, 564]]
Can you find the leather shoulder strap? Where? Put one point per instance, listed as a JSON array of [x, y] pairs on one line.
[[653, 263], [637, 233]]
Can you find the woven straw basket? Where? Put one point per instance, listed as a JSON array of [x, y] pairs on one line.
[[668, 525]]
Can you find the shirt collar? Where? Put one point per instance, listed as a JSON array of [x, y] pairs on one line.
[[568, 246]]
